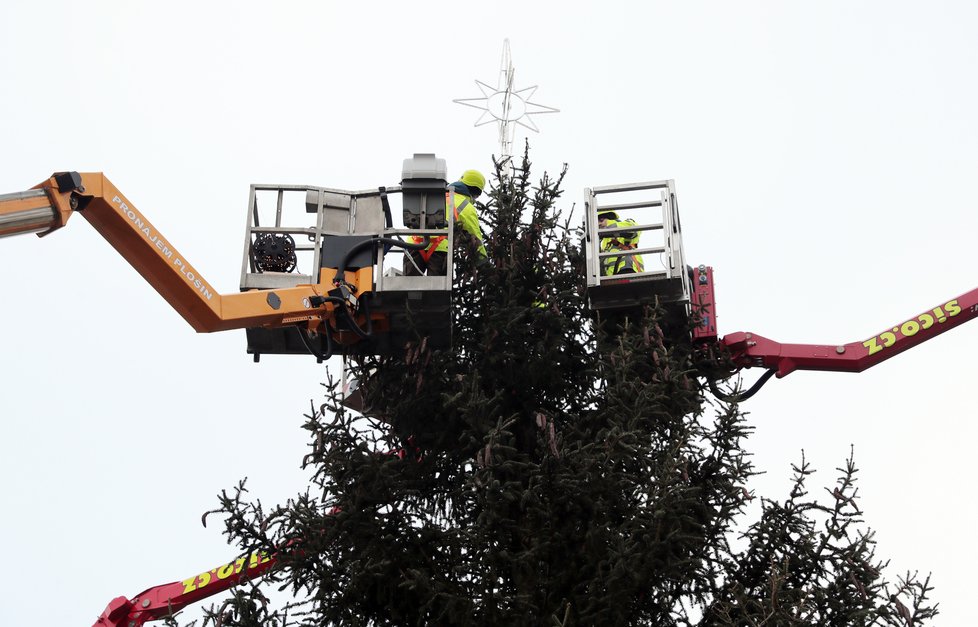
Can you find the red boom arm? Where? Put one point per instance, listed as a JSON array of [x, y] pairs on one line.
[[749, 349], [161, 601]]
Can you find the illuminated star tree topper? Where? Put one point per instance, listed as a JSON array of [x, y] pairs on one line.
[[505, 105]]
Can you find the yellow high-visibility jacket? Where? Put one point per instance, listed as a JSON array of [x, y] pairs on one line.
[[623, 241], [465, 215]]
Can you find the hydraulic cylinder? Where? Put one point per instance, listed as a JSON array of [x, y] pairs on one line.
[[26, 212]]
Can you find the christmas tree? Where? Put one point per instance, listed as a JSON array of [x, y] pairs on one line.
[[551, 468]]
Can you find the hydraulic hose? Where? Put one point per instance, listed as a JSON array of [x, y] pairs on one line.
[[388, 218], [341, 270], [385, 203], [307, 342], [364, 333], [743, 396], [330, 346]]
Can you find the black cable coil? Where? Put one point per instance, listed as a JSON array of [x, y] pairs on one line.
[[274, 252]]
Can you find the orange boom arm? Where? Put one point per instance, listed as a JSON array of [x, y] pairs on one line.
[[49, 205]]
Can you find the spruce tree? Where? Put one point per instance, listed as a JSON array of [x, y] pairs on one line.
[[551, 468]]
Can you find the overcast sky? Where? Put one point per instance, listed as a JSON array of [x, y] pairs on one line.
[[824, 154]]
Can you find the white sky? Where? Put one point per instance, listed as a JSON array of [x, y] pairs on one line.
[[825, 158]]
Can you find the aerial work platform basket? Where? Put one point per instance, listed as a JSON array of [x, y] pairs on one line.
[[297, 235], [647, 215]]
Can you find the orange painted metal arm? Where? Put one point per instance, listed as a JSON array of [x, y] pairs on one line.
[[175, 278], [49, 205]]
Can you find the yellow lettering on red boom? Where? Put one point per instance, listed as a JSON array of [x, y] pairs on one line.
[[911, 327]]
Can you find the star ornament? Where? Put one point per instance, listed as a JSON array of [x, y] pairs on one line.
[[505, 105]]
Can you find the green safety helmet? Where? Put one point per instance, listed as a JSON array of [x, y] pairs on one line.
[[607, 215], [474, 179]]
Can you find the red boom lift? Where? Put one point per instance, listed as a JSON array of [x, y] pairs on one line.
[[346, 302]]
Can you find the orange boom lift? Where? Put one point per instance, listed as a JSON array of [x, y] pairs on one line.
[[342, 304]]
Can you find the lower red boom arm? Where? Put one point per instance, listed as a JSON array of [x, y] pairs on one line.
[[161, 601]]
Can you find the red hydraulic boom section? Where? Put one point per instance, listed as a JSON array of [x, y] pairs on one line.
[[751, 350], [162, 601]]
